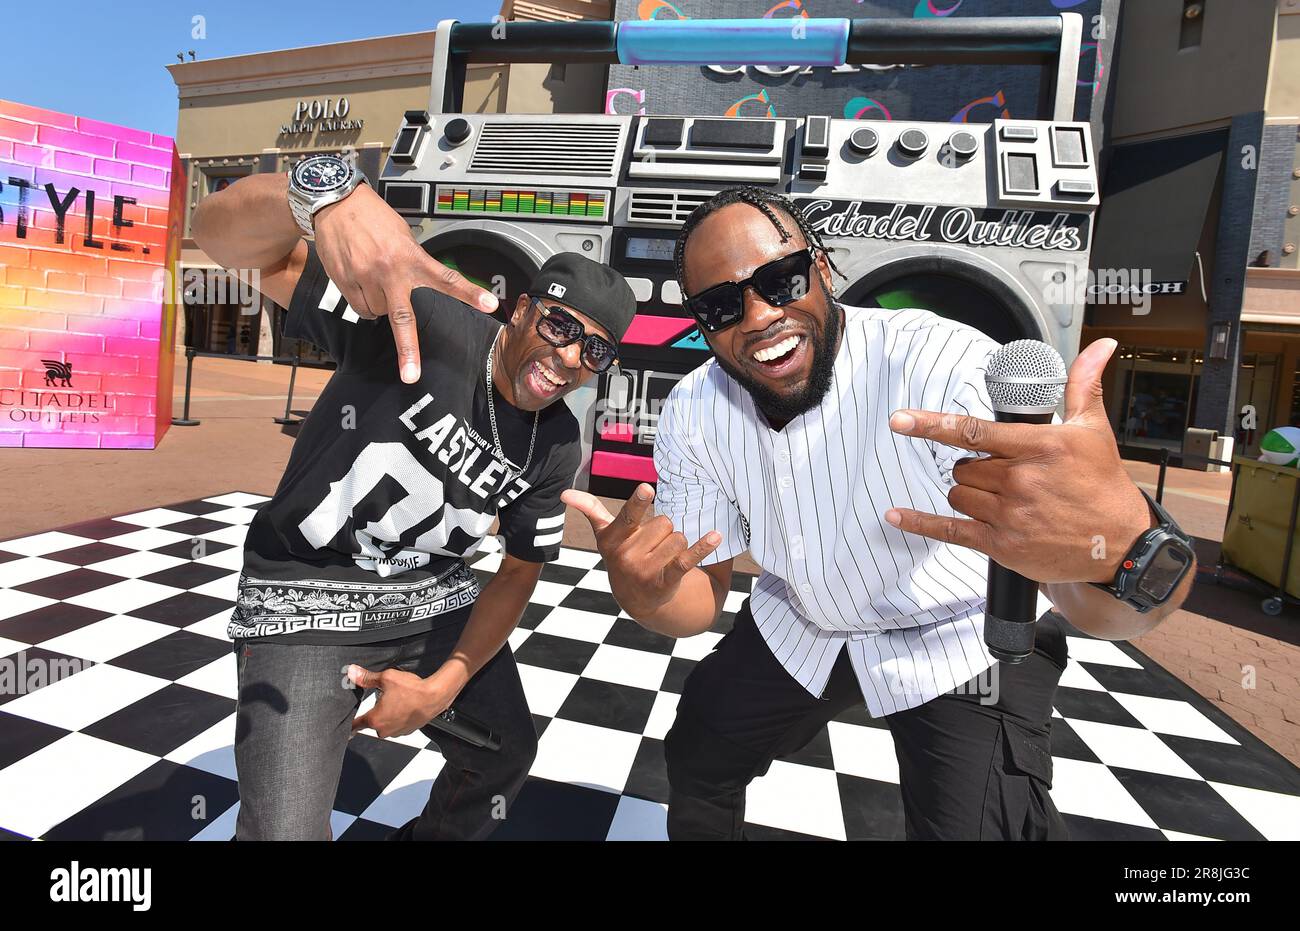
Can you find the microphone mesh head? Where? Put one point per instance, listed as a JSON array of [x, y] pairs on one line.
[[1026, 376]]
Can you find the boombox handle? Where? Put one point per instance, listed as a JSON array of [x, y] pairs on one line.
[[1043, 40]]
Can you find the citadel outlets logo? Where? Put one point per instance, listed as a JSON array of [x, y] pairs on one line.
[[966, 226], [39, 406]]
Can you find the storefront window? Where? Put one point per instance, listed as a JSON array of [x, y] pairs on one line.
[[1256, 382], [1158, 395], [217, 180]]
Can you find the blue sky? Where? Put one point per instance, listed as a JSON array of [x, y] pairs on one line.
[[106, 59]]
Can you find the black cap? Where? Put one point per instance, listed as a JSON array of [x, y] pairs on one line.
[[591, 288]]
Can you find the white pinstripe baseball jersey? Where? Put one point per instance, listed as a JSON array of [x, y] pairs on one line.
[[808, 502]]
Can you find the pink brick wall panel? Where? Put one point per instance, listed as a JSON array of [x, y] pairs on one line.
[[70, 343], [105, 287], [114, 423], [100, 325], [144, 197], [127, 441], [62, 281], [75, 263], [138, 405], [87, 305], [134, 271], [29, 361], [15, 256], [126, 346], [14, 170], [113, 366], [25, 277], [34, 155], [70, 161], [128, 308], [68, 303], [16, 131], [143, 174], [42, 238], [131, 384], [143, 290], [138, 136], [21, 111], [144, 155], [61, 440], [33, 319], [75, 141], [111, 168]]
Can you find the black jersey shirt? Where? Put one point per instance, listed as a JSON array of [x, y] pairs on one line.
[[390, 486]]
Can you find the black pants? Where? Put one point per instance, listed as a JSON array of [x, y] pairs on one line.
[[294, 719], [969, 769]]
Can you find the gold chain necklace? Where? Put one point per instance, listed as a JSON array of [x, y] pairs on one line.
[[492, 412]]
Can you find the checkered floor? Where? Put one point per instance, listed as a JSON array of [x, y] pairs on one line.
[[134, 738]]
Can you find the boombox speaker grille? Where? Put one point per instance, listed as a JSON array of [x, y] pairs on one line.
[[534, 148]]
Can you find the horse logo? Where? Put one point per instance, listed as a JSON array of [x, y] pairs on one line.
[[54, 369]]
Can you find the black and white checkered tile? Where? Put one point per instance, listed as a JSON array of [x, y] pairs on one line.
[[117, 699]]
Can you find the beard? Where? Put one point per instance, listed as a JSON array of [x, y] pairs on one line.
[[785, 407]]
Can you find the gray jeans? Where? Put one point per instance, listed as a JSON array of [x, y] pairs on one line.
[[295, 716]]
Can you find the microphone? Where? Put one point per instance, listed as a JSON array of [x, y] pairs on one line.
[[458, 724], [1026, 381]]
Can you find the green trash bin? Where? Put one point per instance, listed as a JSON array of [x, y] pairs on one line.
[[1261, 522]]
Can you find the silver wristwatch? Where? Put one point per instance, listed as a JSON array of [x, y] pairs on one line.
[[317, 182]]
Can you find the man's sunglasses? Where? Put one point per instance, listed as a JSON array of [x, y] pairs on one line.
[[560, 328], [781, 281]]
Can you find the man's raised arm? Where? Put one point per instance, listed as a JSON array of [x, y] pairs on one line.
[[364, 246]]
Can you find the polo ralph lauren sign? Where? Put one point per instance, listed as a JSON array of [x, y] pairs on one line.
[[965, 226]]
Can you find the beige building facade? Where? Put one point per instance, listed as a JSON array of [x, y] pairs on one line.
[[1203, 189], [263, 112]]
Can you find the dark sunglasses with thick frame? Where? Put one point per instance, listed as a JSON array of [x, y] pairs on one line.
[[778, 282], [560, 328]]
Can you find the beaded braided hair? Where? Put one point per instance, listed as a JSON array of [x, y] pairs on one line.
[[768, 202]]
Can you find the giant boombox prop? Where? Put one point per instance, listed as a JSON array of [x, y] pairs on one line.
[[989, 224]]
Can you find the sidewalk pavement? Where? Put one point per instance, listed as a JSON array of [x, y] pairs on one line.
[[1220, 643]]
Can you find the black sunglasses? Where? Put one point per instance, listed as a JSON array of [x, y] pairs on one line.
[[560, 328], [781, 281]]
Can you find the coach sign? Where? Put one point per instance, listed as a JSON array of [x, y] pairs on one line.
[[90, 217]]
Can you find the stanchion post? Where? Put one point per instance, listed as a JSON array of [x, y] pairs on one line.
[[185, 419], [1284, 575], [1160, 482], [287, 419]]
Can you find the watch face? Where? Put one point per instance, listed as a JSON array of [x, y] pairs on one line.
[[1163, 572], [321, 173]]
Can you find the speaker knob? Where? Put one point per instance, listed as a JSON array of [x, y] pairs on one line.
[[963, 144], [864, 140], [456, 131], [912, 143]]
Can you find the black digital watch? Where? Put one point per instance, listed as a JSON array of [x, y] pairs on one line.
[[1154, 565]]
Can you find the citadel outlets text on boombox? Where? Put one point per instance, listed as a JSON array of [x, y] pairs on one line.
[[987, 223]]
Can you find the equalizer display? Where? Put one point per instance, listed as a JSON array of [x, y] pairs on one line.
[[533, 202]]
